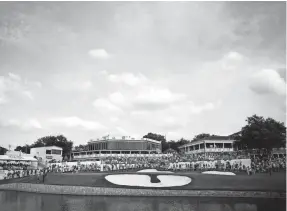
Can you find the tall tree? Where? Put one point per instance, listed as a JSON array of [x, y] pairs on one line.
[[25, 149], [201, 136], [260, 133], [158, 137], [3, 150], [164, 144], [59, 141]]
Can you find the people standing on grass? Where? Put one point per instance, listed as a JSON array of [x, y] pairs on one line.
[[45, 172], [38, 175]]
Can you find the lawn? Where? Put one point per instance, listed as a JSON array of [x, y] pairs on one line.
[[242, 182]]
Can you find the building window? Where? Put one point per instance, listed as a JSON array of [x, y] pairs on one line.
[[227, 145], [56, 152], [201, 146], [209, 145], [218, 145], [48, 152]]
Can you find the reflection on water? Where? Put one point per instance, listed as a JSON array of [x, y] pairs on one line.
[[19, 201]]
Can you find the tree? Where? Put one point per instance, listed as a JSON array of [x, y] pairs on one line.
[[201, 136], [25, 149], [155, 136], [182, 141], [3, 150], [164, 144], [158, 137], [59, 141], [81, 147], [260, 133]]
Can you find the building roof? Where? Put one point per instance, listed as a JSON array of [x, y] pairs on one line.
[[216, 138], [210, 138], [47, 147], [124, 139]]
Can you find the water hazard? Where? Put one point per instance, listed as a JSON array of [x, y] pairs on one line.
[[20, 201]]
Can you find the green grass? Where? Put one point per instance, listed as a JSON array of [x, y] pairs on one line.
[[258, 182]]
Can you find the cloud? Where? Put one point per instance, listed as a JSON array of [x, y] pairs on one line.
[[174, 118], [71, 81], [234, 56], [127, 78], [2, 100], [87, 85], [103, 72], [119, 99], [38, 84], [105, 104], [153, 97], [25, 125], [14, 76], [122, 131], [28, 94], [268, 81], [74, 122], [232, 60], [13, 84], [197, 109], [114, 119], [33, 123], [99, 54]]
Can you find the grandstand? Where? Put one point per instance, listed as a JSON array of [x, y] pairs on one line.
[[125, 145]]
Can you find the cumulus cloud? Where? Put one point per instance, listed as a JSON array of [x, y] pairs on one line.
[[233, 55], [174, 118], [32, 123], [114, 119], [127, 78], [25, 125], [152, 97], [74, 122], [28, 94], [121, 131], [231, 60], [268, 81], [38, 84], [119, 99], [197, 109], [143, 98], [99, 53], [86, 85], [105, 104], [14, 76], [71, 81], [13, 83], [103, 72]]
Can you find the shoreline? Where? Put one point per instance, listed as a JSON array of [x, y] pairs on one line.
[[108, 191]]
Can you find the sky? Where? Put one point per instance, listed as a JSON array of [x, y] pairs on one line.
[[89, 69]]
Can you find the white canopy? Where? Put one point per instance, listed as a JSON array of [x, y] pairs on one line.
[[6, 157]]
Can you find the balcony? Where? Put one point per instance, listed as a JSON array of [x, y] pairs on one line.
[[210, 150], [119, 155]]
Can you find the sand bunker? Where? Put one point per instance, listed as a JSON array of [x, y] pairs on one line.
[[144, 180], [153, 170], [219, 173]]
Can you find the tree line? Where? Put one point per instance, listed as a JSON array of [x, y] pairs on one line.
[[258, 133], [59, 141]]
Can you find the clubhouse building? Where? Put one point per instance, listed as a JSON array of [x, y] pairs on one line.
[[209, 144], [125, 145]]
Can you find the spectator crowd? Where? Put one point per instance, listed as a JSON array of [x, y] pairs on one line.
[[261, 162]]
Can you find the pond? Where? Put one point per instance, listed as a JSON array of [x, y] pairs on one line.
[[21, 201]]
